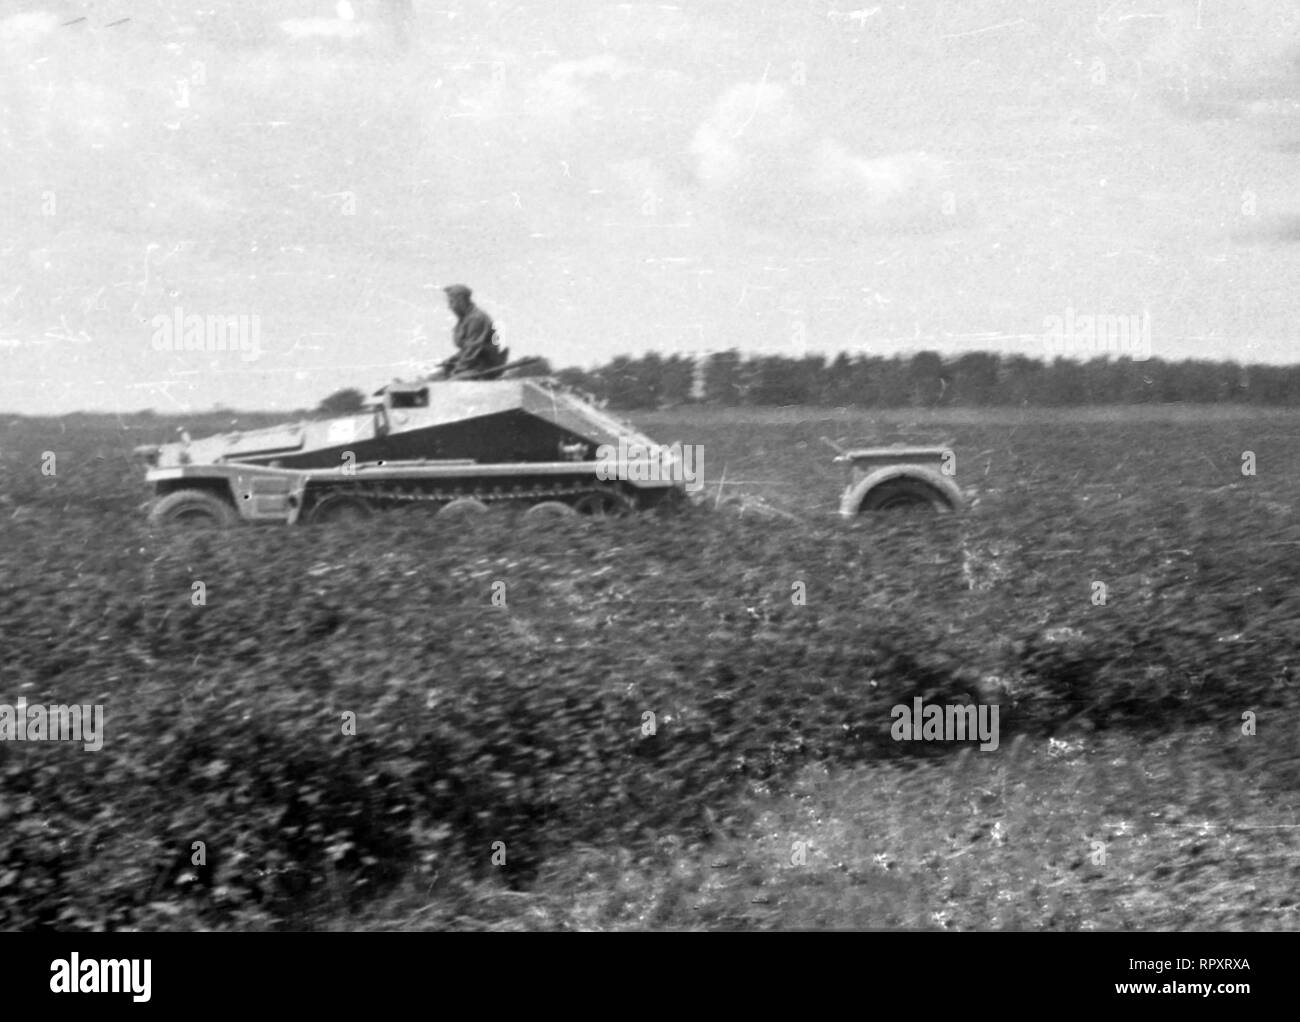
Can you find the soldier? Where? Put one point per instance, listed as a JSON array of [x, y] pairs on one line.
[[474, 336]]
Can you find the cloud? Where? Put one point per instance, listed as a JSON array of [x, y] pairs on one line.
[[20, 31], [573, 86], [1207, 64], [758, 157], [604, 65], [752, 131], [323, 28], [880, 187]]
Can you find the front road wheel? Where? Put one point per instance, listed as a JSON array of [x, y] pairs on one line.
[[193, 507]]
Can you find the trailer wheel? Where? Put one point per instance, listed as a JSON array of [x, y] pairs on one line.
[[905, 495], [193, 507], [340, 508], [549, 509], [462, 507]]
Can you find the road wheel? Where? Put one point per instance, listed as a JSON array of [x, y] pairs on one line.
[[340, 508], [193, 508], [602, 503], [904, 495], [549, 509], [462, 507]]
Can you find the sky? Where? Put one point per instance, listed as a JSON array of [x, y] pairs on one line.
[[298, 180]]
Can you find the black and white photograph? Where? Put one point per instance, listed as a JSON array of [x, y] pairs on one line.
[[715, 466]]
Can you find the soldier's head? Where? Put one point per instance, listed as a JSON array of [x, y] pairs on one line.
[[457, 298]]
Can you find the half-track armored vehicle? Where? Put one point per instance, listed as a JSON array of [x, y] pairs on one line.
[[455, 445]]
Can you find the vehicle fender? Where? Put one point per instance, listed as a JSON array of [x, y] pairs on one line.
[[257, 492]]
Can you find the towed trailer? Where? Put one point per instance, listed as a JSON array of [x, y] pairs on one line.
[[900, 478]]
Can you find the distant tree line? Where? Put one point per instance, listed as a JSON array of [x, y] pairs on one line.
[[923, 380], [927, 380]]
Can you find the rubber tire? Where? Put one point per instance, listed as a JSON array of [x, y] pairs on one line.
[[186, 506], [332, 509], [462, 507], [904, 494], [602, 504], [549, 509]]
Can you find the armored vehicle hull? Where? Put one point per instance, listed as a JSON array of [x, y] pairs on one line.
[[457, 446]]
